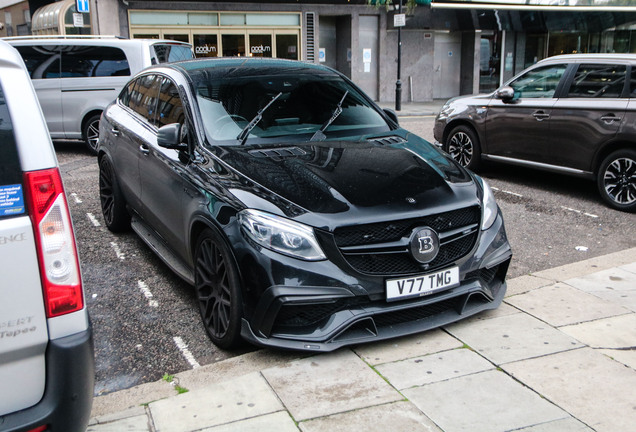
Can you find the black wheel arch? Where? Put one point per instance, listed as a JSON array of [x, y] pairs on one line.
[[608, 149], [463, 122]]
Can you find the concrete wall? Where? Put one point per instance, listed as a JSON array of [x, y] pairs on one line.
[[105, 17]]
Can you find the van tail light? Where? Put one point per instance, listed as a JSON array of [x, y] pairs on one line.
[[57, 253]]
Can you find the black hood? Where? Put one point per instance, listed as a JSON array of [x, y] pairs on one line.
[[354, 179]]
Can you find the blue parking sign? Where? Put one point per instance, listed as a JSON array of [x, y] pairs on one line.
[[82, 6]]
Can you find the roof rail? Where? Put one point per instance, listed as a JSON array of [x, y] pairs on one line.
[[63, 37]]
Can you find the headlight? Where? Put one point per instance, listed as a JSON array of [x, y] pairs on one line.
[[446, 110], [488, 205], [281, 235]]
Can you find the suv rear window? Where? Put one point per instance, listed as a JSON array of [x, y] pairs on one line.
[[11, 196], [170, 53], [598, 81], [78, 61]]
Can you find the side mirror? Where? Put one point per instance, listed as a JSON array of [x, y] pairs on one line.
[[505, 93], [169, 137], [391, 114]]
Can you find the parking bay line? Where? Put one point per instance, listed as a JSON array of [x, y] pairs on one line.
[[118, 251], [187, 354], [147, 293], [91, 217]]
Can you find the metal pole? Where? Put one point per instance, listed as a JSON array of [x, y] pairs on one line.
[[398, 83]]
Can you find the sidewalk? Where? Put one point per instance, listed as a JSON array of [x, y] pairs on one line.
[[558, 355], [430, 108]]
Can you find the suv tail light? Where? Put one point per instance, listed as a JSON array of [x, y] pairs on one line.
[[57, 253]]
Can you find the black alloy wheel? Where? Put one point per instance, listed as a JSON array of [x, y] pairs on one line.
[[91, 133], [217, 289], [616, 180], [113, 204], [463, 146]]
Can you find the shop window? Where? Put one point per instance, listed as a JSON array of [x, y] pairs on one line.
[[233, 45], [287, 46], [205, 45], [261, 45]]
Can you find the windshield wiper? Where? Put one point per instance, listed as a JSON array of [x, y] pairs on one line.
[[320, 133], [242, 137]]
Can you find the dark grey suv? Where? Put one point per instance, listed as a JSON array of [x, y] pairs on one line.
[[573, 114]]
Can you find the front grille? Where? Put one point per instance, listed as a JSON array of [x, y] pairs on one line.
[[391, 231], [389, 261]]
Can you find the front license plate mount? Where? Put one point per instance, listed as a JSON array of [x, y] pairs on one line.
[[421, 285]]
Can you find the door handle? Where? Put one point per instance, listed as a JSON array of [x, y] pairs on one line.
[[144, 149], [115, 131], [610, 118], [540, 115]]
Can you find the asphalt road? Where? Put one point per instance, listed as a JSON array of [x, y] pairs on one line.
[[146, 322]]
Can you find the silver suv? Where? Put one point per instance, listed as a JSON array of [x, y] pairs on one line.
[[75, 77], [46, 346], [571, 114]]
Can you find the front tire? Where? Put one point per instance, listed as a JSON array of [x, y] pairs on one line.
[[90, 132], [616, 180], [112, 201], [217, 289], [463, 146]]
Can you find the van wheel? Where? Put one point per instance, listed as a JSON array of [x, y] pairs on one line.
[[616, 180], [91, 133], [113, 204], [463, 146], [216, 282]]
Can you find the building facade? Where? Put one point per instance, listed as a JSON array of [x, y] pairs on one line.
[[448, 47]]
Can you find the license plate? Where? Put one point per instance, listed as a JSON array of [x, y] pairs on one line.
[[417, 286]]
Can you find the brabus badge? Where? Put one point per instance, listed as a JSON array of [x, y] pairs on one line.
[[424, 245]]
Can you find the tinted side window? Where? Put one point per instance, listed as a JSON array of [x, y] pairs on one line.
[[143, 98], [11, 194], [598, 81], [540, 82], [41, 61], [93, 61], [170, 107]]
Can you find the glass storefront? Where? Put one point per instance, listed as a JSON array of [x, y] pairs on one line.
[[215, 34]]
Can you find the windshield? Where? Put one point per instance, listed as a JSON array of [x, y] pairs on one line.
[[235, 108]]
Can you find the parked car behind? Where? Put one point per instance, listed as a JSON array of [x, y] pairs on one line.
[[46, 348], [75, 77], [571, 114], [303, 215]]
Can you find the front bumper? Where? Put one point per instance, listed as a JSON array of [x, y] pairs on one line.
[[325, 318]]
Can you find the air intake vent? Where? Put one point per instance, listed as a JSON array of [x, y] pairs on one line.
[[278, 153], [310, 35], [388, 140]]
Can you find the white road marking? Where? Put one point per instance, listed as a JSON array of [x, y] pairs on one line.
[[186, 352], [118, 251], [147, 293], [579, 212], [76, 198], [91, 217]]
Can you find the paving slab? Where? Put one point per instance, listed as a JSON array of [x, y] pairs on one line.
[[615, 332], [614, 279], [428, 342], [560, 305], [398, 416], [512, 337], [432, 368], [130, 424], [590, 386], [525, 283], [626, 357], [629, 267], [328, 384], [489, 401], [565, 425], [276, 422], [241, 398]]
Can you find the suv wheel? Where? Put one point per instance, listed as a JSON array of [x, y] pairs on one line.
[[217, 289], [91, 133], [463, 146], [114, 210], [616, 180]]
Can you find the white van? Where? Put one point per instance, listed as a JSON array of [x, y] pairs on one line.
[[75, 77]]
